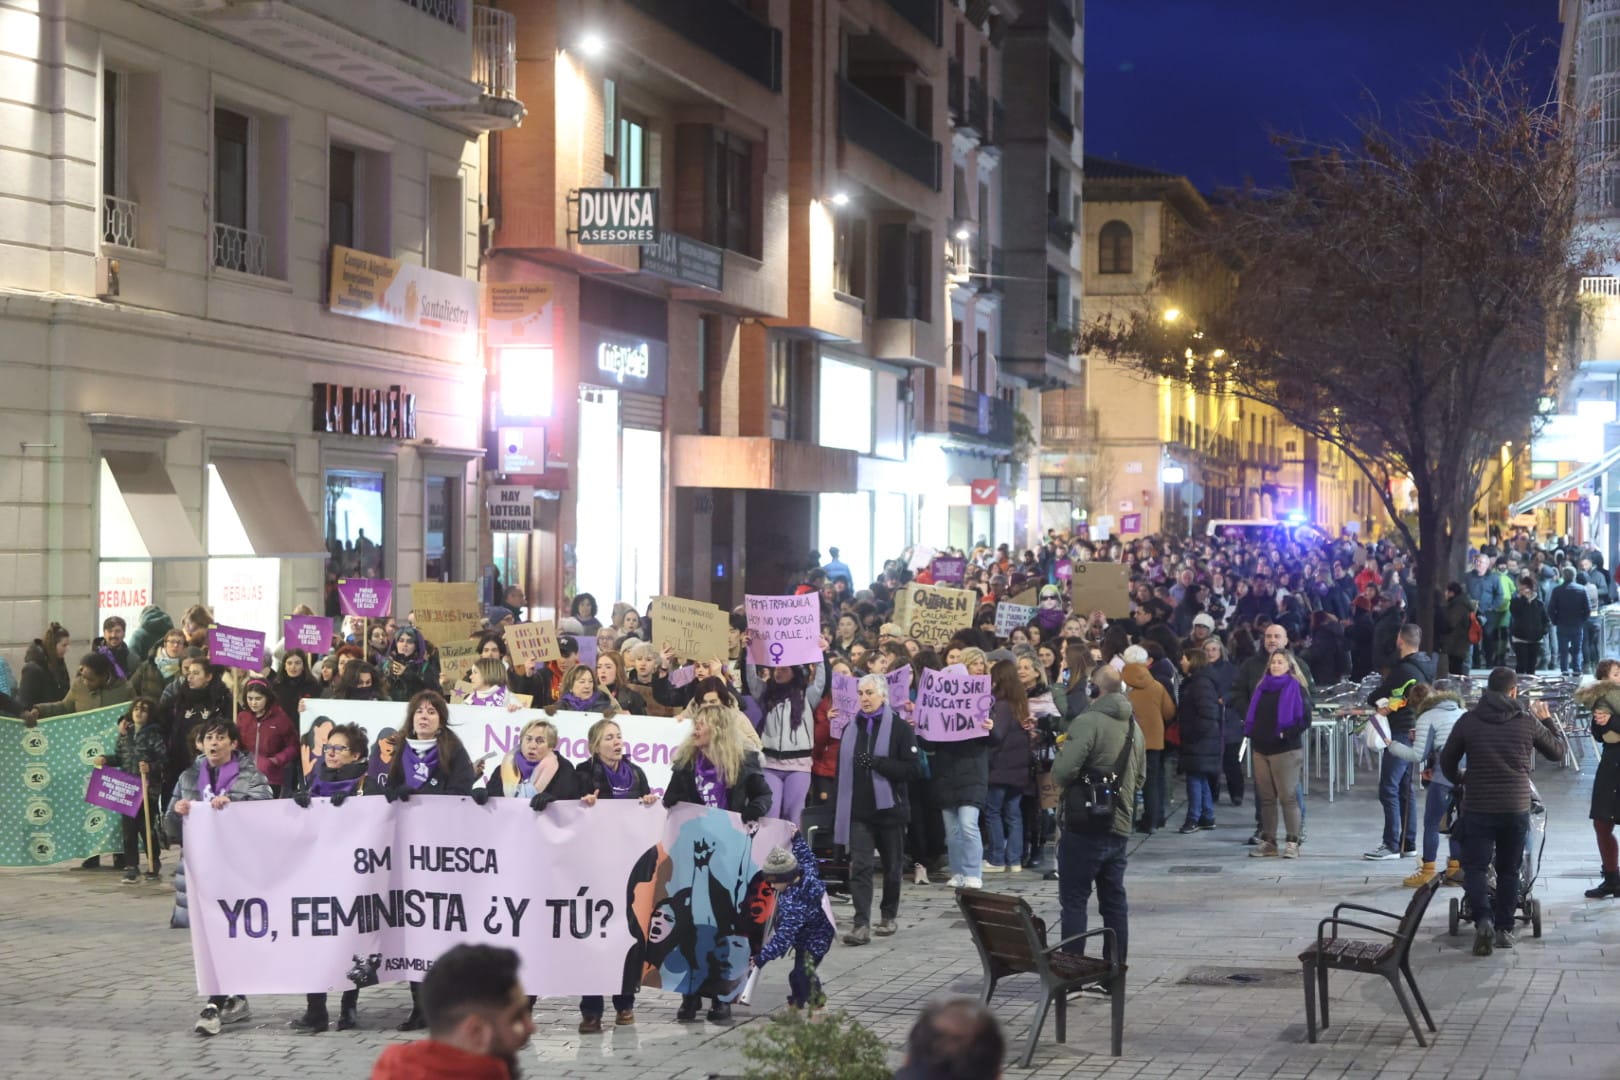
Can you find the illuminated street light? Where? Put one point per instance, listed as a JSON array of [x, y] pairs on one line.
[[963, 234], [1218, 353], [1172, 314], [840, 198], [1172, 473], [592, 45]]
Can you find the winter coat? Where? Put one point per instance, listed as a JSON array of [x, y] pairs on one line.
[[81, 698], [148, 632], [421, 672], [272, 740], [1498, 737], [147, 744], [1604, 696], [1527, 618], [593, 780], [454, 776], [1569, 608], [1326, 655], [289, 692], [1418, 667], [899, 767], [149, 680], [1223, 673], [248, 786], [1012, 757], [1439, 714], [182, 708], [44, 679], [629, 700], [1150, 702], [1486, 591], [1200, 713], [959, 772], [824, 755], [429, 1059], [1095, 741], [1454, 639], [748, 796], [787, 746], [1386, 632]]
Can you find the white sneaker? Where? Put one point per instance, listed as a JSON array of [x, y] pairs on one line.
[[955, 882], [207, 1021], [919, 874], [973, 883], [1381, 853], [1015, 868], [992, 868], [235, 1011]]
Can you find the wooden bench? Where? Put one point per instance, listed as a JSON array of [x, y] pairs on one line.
[[1390, 956], [1011, 940]]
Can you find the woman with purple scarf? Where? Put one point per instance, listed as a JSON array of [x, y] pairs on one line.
[[877, 758], [787, 731], [580, 692], [1279, 714], [429, 759]]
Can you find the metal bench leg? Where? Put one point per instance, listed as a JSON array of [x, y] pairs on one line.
[[1310, 1001], [1062, 1017], [1117, 997], [1417, 995], [987, 989], [1322, 995], [1406, 1007], [1035, 1031]]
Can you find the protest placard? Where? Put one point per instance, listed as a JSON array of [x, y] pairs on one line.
[[446, 611], [312, 633], [1028, 598], [1010, 617], [112, 789], [1101, 586], [784, 630], [948, 569], [952, 707], [229, 646], [366, 598], [532, 643], [692, 629], [921, 556], [899, 685], [456, 658], [846, 697], [932, 613]]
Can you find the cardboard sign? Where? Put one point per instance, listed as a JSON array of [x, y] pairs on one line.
[[312, 633], [1028, 598], [932, 613], [366, 598], [1010, 617], [952, 707], [456, 658], [533, 643], [230, 647], [693, 629], [1102, 586], [446, 612], [784, 630], [114, 790], [846, 696], [948, 570]]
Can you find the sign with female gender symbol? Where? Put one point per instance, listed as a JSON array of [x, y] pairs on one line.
[[784, 630]]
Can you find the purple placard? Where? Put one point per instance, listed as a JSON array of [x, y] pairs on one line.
[[951, 707], [312, 633], [587, 649], [949, 570], [682, 676], [369, 598], [899, 685], [784, 630], [230, 647], [846, 696], [113, 790]]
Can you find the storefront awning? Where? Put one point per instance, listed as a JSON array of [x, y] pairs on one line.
[[150, 523], [1584, 475], [272, 512]]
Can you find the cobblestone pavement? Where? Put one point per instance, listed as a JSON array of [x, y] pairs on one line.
[[94, 984]]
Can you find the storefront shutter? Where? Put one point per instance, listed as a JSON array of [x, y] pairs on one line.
[[641, 411]]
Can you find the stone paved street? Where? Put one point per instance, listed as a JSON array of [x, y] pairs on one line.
[[96, 985]]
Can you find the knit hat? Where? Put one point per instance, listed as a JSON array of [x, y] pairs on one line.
[[1204, 619], [1049, 591], [780, 865]]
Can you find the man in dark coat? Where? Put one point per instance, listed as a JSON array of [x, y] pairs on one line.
[[1569, 610], [1395, 773]]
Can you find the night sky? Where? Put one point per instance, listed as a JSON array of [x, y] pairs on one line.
[[1197, 86]]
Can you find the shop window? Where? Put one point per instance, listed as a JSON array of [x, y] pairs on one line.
[[243, 590], [355, 524], [846, 406], [441, 513], [1114, 248], [250, 191]]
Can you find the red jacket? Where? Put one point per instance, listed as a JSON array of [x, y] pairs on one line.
[[272, 740], [427, 1059], [824, 754]]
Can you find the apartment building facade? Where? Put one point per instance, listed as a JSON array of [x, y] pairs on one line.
[[238, 262]]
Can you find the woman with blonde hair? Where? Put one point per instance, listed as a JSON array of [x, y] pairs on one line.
[[533, 771], [1279, 714]]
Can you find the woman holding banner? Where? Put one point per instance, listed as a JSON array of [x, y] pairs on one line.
[[715, 768], [534, 771], [961, 785], [787, 731], [877, 758]]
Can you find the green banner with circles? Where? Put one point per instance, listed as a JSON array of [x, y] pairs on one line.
[[44, 772]]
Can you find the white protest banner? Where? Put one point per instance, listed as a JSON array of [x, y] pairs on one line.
[[511, 508], [783, 630], [649, 741], [932, 613], [952, 707], [1010, 617], [693, 629]]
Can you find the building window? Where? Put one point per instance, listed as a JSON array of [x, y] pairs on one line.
[[734, 193], [631, 160], [781, 378], [357, 199], [447, 229], [250, 193], [356, 534], [341, 195], [442, 511], [131, 133], [1114, 248], [849, 255], [845, 406]]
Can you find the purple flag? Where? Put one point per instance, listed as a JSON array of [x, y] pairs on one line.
[[369, 598], [784, 630], [113, 790], [949, 570], [231, 647], [312, 633], [952, 707]]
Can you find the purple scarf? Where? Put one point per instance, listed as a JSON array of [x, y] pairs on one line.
[[1290, 704], [418, 767], [621, 778], [595, 703], [711, 787], [524, 767], [325, 783], [218, 781], [882, 792]]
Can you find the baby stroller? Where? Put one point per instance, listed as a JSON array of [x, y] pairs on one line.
[[1528, 908]]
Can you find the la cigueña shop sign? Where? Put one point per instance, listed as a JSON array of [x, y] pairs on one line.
[[370, 412]]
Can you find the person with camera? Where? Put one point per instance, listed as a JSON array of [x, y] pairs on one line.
[[1103, 761]]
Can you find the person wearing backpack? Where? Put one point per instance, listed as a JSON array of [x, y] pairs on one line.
[[1103, 739], [1527, 624]]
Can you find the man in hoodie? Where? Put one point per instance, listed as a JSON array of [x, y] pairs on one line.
[[1395, 773], [477, 1018], [1497, 736], [153, 623], [1096, 740]]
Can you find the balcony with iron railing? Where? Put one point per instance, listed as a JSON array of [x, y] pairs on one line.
[[923, 14], [495, 52], [1059, 231], [449, 12], [240, 250], [869, 124], [727, 31], [953, 88], [120, 221], [978, 108], [979, 416]]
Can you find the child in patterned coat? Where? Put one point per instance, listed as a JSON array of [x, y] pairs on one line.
[[802, 923]]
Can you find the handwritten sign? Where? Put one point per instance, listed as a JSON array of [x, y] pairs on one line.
[[456, 658], [1101, 586], [951, 707], [446, 611], [846, 696], [230, 647], [932, 613], [366, 598], [312, 633], [948, 569], [899, 685], [1010, 617], [692, 629], [113, 790], [532, 644], [784, 630]]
